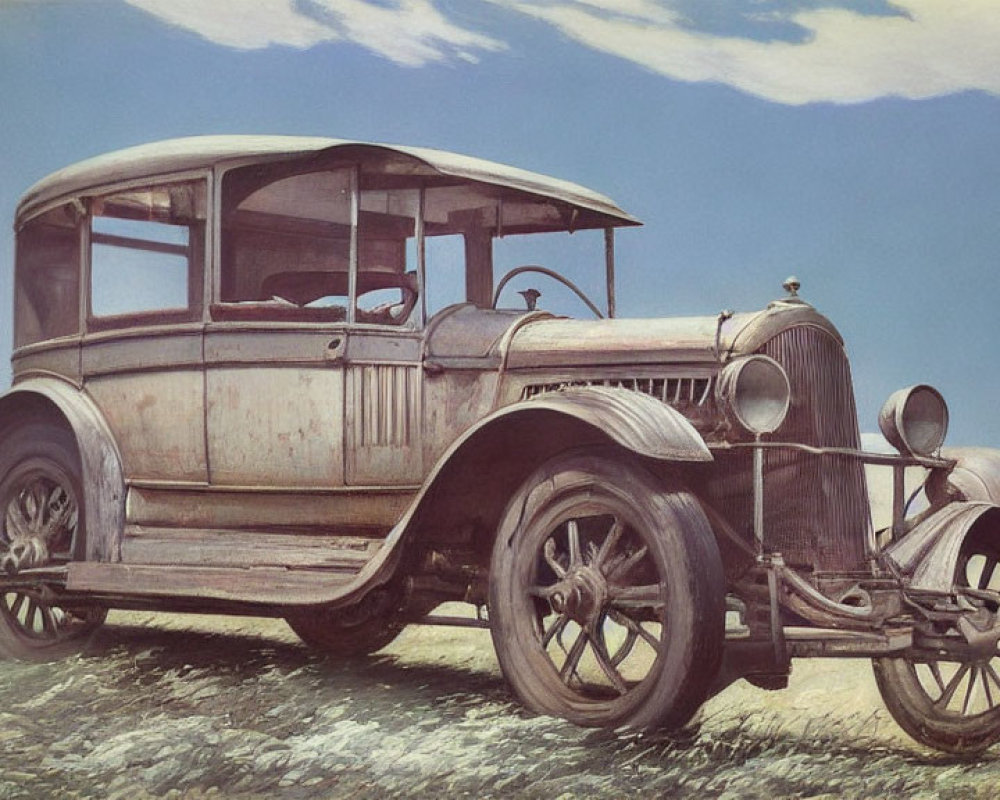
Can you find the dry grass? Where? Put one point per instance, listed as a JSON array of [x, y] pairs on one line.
[[199, 707]]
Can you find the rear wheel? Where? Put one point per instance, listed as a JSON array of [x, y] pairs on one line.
[[40, 524], [950, 699], [607, 596]]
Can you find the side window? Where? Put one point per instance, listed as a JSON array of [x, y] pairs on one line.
[[47, 277], [286, 248], [147, 250], [285, 245]]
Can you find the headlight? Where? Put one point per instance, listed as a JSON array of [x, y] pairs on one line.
[[914, 420], [754, 394]]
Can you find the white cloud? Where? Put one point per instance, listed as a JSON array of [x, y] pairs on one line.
[[934, 48], [409, 32], [239, 24]]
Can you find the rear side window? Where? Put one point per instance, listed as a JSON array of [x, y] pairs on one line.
[[147, 252], [47, 277]]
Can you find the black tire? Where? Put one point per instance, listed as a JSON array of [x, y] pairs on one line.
[[947, 702], [40, 488], [355, 630], [595, 551]]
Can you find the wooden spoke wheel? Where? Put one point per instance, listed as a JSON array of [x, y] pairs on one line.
[[607, 596], [39, 526], [949, 698]]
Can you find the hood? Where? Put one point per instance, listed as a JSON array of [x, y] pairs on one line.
[[567, 342], [539, 339]]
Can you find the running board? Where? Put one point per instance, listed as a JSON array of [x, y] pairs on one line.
[[274, 586], [159, 546]]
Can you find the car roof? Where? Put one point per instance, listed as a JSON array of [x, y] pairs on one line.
[[204, 152]]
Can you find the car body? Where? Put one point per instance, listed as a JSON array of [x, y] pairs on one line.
[[234, 392]]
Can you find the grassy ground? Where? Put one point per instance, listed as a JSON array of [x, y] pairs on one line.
[[199, 707]]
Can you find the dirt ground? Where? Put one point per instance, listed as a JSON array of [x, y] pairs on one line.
[[180, 706]]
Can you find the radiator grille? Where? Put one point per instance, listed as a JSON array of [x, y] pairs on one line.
[[816, 507]]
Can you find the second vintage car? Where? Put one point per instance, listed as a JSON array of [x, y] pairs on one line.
[[237, 390]]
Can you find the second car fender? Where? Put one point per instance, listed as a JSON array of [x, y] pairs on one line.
[[929, 554]]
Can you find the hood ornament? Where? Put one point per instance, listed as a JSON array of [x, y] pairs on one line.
[[792, 286]]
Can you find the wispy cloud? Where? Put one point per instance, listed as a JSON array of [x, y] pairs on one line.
[[242, 25], [906, 48], [931, 48], [408, 32]]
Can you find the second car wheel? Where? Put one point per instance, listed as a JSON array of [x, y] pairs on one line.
[[607, 596], [948, 697]]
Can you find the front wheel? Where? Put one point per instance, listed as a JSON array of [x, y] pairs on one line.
[[950, 699], [607, 596]]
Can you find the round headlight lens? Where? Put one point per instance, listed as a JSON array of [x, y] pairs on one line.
[[754, 393], [914, 420]]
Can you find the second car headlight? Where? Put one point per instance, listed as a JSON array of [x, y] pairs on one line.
[[914, 420], [754, 394]]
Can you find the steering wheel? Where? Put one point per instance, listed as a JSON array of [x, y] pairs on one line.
[[550, 273], [389, 313]]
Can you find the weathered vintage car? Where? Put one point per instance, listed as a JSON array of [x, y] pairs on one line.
[[233, 393]]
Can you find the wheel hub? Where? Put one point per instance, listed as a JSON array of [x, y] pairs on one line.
[[582, 595]]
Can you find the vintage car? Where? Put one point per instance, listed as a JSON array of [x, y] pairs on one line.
[[235, 391]]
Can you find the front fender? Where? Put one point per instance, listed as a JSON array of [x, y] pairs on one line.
[[100, 462], [975, 476], [481, 470], [633, 420], [552, 422], [928, 556]]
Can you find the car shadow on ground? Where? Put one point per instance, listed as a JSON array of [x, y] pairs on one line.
[[233, 657], [385, 684]]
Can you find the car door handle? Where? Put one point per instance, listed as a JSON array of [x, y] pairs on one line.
[[335, 350]]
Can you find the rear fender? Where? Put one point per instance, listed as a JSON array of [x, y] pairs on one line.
[[100, 462], [929, 554]]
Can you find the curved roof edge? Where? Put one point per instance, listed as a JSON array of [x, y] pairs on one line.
[[202, 152]]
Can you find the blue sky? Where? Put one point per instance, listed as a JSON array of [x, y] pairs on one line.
[[852, 143]]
